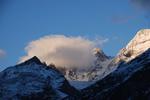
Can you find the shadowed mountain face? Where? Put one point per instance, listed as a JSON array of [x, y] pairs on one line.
[[34, 80], [129, 81]]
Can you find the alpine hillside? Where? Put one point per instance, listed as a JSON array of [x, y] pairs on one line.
[[34, 80]]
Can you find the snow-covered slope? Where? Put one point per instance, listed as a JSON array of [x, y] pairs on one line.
[[139, 44], [33, 80]]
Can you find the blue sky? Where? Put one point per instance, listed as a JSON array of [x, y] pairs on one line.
[[22, 21]]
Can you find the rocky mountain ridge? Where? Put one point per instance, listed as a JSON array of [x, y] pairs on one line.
[[34, 80]]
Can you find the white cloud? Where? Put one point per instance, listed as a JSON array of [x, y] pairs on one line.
[[63, 51], [2, 53]]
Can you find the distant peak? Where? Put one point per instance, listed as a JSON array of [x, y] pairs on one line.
[[97, 50], [100, 54]]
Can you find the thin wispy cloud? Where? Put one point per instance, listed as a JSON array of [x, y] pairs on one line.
[[63, 51], [121, 19], [2, 53]]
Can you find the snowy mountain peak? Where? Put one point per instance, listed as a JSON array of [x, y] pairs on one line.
[[139, 44], [97, 50], [101, 56]]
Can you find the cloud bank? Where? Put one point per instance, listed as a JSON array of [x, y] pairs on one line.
[[121, 18], [2, 53], [63, 51]]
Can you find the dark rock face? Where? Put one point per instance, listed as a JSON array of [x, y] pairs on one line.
[[34, 80], [137, 87]]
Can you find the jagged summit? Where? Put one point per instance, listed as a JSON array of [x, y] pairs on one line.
[[101, 56], [34, 59]]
